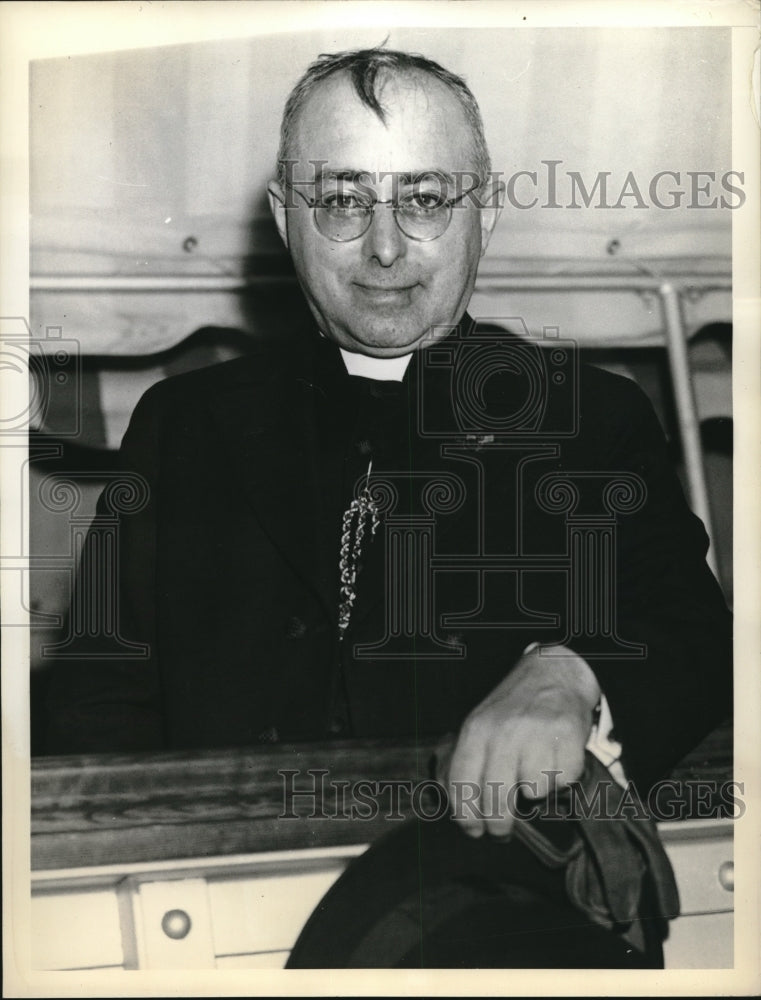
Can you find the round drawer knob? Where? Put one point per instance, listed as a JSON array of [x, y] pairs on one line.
[[176, 924], [727, 876]]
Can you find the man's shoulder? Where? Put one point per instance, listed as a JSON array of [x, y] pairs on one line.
[[257, 366], [544, 374], [603, 389], [614, 413]]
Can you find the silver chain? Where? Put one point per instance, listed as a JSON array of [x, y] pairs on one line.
[[352, 532]]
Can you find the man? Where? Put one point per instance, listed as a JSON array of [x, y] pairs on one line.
[[260, 593]]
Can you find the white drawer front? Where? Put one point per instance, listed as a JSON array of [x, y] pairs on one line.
[[264, 913], [699, 866], [76, 930], [701, 942]]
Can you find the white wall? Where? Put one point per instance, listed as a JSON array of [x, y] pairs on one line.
[[133, 152]]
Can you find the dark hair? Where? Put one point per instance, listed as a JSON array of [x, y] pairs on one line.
[[364, 66]]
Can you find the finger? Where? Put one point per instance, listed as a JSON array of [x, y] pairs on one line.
[[554, 753], [465, 775], [570, 764], [498, 793], [540, 767], [551, 766]]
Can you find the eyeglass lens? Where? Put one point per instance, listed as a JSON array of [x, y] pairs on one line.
[[343, 215]]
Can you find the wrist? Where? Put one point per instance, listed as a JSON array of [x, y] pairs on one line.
[[575, 671]]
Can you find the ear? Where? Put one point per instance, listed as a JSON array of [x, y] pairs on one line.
[[493, 201], [276, 197]]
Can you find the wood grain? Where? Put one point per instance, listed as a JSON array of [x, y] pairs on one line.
[[93, 810]]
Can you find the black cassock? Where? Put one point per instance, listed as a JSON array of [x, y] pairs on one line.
[[522, 498]]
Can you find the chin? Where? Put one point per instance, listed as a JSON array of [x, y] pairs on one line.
[[384, 351], [387, 340], [386, 347]]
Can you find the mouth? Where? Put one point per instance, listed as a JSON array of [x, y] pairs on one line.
[[385, 293]]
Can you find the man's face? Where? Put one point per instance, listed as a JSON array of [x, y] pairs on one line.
[[382, 293]]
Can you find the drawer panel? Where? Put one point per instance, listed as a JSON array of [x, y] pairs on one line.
[[264, 913], [700, 942], [698, 865], [76, 930]]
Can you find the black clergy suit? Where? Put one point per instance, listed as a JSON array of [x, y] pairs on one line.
[[228, 575]]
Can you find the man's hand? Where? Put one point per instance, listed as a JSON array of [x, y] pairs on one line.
[[537, 720]]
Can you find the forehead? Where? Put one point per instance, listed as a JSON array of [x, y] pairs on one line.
[[426, 127]]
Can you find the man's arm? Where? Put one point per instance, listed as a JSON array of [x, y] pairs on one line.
[[668, 600], [539, 717]]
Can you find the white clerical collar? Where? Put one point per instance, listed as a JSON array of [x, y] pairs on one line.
[[380, 369]]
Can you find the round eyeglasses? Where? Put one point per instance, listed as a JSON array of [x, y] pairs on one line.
[[343, 216]]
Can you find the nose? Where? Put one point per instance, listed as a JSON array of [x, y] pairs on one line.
[[384, 240]]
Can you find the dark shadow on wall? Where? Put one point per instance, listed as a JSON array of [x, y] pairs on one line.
[[273, 304]]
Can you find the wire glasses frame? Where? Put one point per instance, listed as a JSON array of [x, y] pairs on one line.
[[417, 220]]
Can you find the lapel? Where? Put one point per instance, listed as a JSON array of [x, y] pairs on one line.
[[268, 421]]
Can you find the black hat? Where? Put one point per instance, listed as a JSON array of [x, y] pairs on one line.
[[426, 895]]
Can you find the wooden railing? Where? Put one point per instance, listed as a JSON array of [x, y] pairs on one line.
[[95, 810]]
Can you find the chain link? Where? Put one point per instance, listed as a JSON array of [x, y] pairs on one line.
[[353, 528]]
